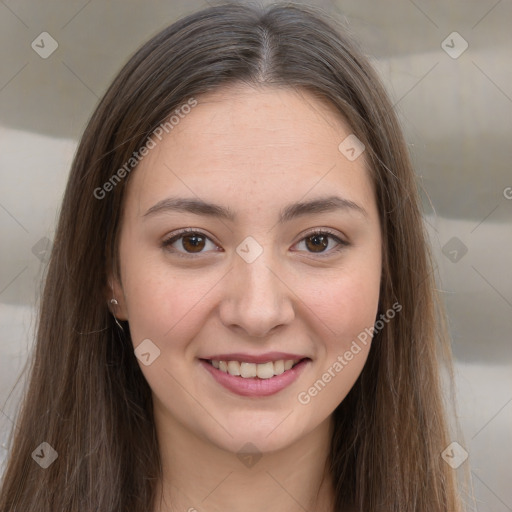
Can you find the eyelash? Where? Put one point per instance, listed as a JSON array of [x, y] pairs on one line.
[[169, 241]]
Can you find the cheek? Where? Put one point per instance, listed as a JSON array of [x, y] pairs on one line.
[[346, 302], [151, 295], [346, 309], [164, 304]]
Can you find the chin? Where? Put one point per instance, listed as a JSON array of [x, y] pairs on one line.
[[263, 432]]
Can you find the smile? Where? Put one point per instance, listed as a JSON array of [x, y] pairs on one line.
[[255, 379], [251, 370]]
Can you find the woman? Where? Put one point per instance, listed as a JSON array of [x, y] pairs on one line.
[[239, 310]]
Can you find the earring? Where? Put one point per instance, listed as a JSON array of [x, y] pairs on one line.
[[114, 302]]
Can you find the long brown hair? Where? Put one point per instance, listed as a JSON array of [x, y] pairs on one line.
[[87, 397]]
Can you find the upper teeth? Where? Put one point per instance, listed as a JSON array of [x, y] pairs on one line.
[[248, 370]]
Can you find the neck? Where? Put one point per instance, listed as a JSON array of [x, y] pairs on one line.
[[198, 476]]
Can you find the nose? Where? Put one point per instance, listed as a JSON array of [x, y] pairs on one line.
[[256, 298]]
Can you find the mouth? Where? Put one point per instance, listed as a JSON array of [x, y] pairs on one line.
[[255, 379], [254, 370]]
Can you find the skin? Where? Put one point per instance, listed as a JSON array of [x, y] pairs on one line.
[[254, 151]]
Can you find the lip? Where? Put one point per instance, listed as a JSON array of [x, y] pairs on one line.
[[256, 387], [258, 359]]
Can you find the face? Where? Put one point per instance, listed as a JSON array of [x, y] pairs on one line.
[[266, 286]]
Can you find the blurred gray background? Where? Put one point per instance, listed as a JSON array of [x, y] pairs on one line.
[[447, 67]]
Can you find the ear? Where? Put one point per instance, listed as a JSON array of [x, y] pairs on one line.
[[114, 293]]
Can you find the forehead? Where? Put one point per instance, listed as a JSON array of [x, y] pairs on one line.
[[250, 143]]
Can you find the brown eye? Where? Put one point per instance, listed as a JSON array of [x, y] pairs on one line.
[[193, 243], [187, 243], [318, 242]]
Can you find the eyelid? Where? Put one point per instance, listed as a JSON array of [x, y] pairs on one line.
[[342, 243], [340, 239], [168, 240], [334, 233]]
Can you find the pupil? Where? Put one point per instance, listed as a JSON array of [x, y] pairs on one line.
[[321, 241], [194, 240]]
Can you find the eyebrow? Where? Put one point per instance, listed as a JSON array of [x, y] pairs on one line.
[[289, 212]]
